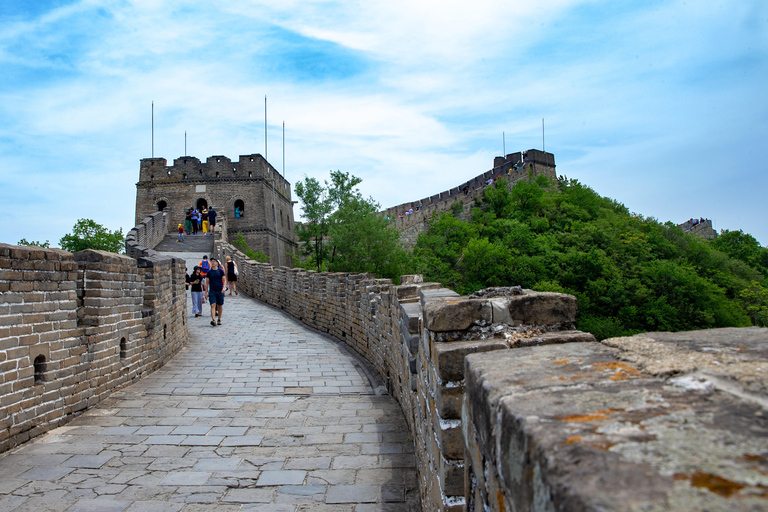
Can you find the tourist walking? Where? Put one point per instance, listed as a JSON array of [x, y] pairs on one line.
[[205, 266], [199, 221], [181, 233], [194, 221], [216, 282], [205, 221], [188, 222], [232, 273], [211, 219], [196, 290]]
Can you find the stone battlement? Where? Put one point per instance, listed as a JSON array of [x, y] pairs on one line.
[[417, 337], [75, 327], [250, 192], [699, 227], [510, 408], [412, 218]]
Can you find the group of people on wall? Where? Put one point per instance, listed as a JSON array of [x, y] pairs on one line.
[[209, 276], [198, 221]]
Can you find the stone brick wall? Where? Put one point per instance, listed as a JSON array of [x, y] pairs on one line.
[[147, 234], [263, 194], [75, 327], [702, 228], [510, 169], [657, 421], [416, 336]]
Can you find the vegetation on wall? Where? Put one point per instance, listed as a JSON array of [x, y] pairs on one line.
[[241, 244], [630, 274], [34, 243]]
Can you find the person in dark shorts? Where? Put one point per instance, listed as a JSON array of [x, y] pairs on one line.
[[211, 219], [217, 281], [232, 275]]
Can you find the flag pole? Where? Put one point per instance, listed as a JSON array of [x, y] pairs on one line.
[[265, 127], [153, 129]]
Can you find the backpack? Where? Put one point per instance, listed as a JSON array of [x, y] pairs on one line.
[[205, 266]]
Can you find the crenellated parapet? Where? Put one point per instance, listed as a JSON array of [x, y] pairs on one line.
[[411, 218], [249, 191], [76, 327]]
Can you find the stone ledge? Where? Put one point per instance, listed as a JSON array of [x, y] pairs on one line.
[[575, 427]]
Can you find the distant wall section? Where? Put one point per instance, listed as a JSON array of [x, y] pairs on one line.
[[412, 219]]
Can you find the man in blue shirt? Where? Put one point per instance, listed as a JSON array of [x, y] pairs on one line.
[[217, 281]]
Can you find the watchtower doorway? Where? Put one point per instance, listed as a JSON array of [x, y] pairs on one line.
[[161, 205], [202, 203]]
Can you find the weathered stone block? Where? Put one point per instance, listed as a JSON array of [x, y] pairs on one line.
[[540, 308], [583, 426], [448, 358], [447, 314]]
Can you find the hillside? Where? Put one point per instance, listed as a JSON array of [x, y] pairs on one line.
[[630, 273]]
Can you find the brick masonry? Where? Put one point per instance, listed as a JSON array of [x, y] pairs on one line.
[[513, 167], [416, 336], [75, 327], [251, 182]]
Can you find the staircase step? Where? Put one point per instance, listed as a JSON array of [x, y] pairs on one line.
[[191, 243]]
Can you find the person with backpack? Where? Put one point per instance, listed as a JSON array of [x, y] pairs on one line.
[[205, 266]]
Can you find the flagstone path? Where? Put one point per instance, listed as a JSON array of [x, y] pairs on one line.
[[258, 414]]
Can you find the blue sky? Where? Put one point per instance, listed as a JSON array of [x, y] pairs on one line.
[[661, 105]]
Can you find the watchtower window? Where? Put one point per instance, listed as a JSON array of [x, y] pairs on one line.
[[281, 218], [251, 159], [152, 178], [202, 203], [201, 172], [169, 173], [250, 174], [239, 208], [123, 348], [40, 368], [218, 159], [217, 174], [161, 205], [185, 175]]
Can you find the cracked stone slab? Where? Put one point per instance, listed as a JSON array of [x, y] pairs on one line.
[[587, 426]]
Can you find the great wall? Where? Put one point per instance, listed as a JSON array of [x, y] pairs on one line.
[[509, 407]]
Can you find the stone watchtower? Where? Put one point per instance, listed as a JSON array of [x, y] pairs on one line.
[[260, 194]]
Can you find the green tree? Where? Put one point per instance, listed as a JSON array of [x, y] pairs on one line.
[[364, 241], [739, 245], [318, 203], [755, 298], [34, 243], [87, 234]]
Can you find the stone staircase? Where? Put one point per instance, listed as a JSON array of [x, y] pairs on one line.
[[191, 243]]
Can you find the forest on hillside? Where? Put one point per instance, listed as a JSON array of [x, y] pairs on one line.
[[630, 273]]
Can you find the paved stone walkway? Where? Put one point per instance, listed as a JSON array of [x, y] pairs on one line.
[[259, 414]]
